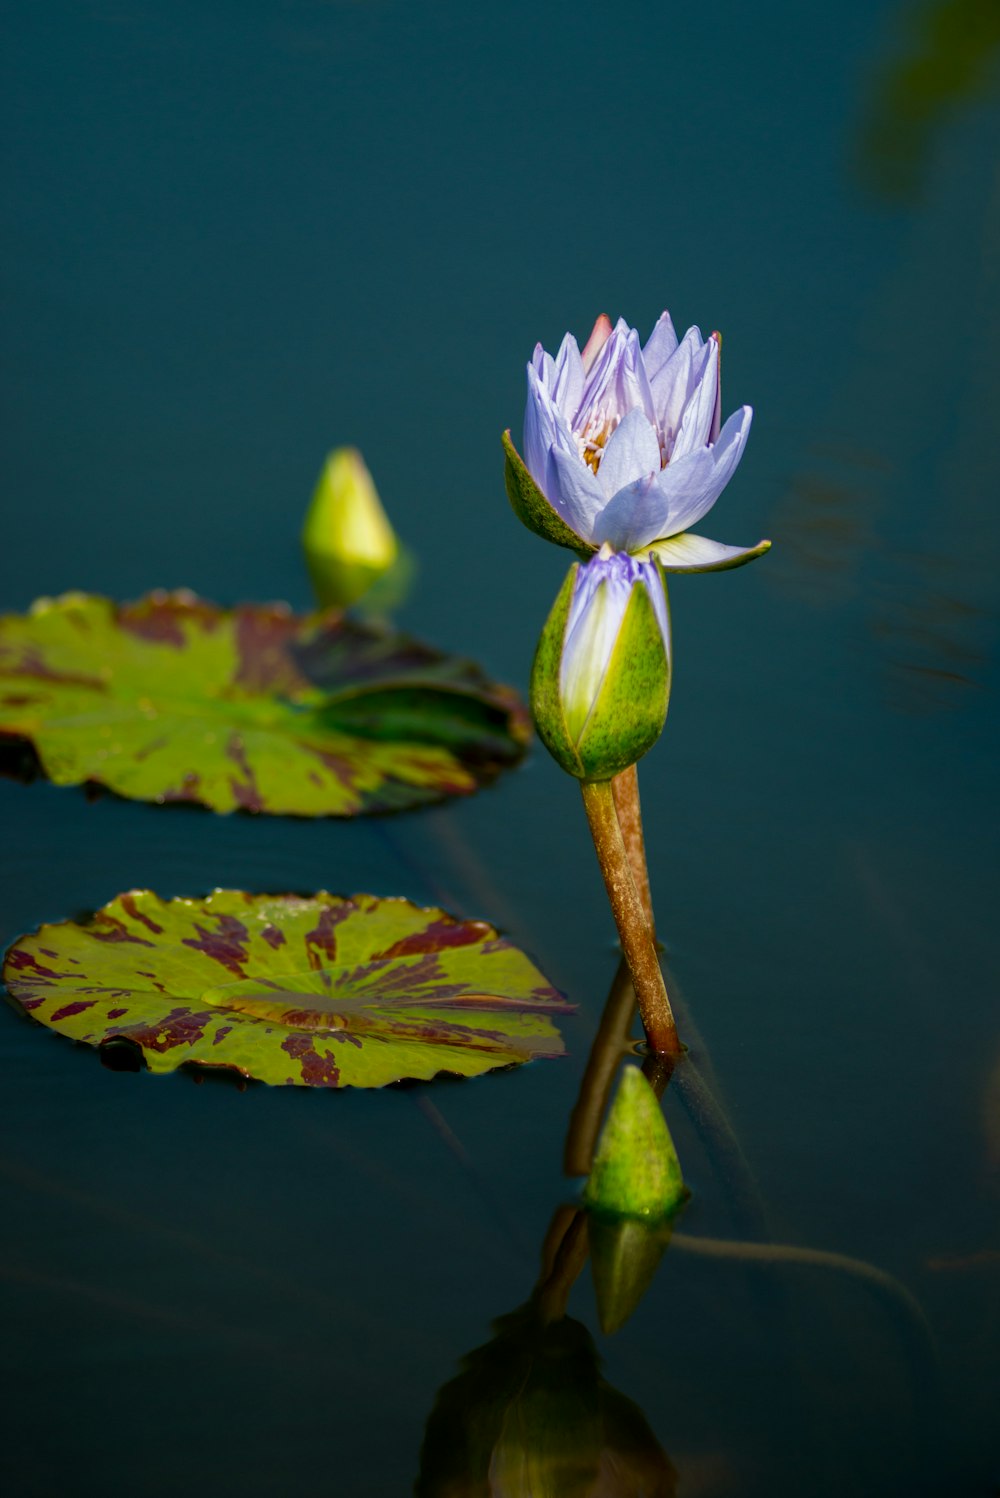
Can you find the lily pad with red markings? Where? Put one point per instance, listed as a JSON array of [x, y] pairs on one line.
[[174, 699], [318, 991]]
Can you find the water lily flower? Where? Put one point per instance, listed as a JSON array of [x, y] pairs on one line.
[[624, 445], [600, 682]]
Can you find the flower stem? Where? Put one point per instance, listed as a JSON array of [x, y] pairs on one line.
[[625, 789], [633, 928]]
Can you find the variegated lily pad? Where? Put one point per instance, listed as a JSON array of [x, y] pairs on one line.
[[175, 699], [318, 992]]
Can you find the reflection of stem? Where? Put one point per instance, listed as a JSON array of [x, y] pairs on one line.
[[812, 1258], [610, 1044], [569, 1255], [625, 789], [626, 906]]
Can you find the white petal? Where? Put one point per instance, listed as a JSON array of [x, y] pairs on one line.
[[695, 428], [691, 553], [675, 382], [601, 381], [542, 364], [541, 422], [640, 509], [634, 391], [682, 493], [567, 378], [632, 452], [713, 435], [573, 491], [693, 484], [591, 631], [660, 344]]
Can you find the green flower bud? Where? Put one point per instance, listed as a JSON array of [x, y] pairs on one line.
[[634, 1190], [601, 676], [636, 1172], [347, 538]]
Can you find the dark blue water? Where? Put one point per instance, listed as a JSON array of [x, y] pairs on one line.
[[239, 234]]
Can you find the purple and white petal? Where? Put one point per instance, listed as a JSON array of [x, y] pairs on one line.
[[573, 491], [599, 403], [638, 509], [567, 378], [634, 390], [632, 452], [713, 435], [695, 428], [541, 427], [542, 364], [691, 486], [676, 382], [691, 553], [660, 344]]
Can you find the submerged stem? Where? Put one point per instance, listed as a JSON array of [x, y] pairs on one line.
[[630, 918]]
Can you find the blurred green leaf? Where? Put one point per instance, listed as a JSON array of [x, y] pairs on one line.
[[174, 699]]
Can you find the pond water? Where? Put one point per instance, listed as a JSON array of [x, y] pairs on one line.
[[239, 234]]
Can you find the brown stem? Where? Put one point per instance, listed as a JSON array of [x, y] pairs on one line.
[[633, 928], [625, 789]]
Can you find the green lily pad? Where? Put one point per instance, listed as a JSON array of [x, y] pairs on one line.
[[318, 991], [174, 699]]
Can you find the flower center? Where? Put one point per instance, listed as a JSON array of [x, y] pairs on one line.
[[593, 439]]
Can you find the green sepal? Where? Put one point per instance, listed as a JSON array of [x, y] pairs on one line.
[[624, 1257], [636, 1172], [631, 707], [545, 695], [533, 509]]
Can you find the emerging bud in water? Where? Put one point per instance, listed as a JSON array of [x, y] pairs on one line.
[[636, 1172], [634, 1191], [601, 676], [347, 538]]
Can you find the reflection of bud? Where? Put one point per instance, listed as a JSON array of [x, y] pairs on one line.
[[601, 676], [624, 1256], [531, 1417], [347, 538]]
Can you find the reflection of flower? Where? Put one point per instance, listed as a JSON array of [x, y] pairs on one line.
[[530, 1416], [623, 444], [601, 677]]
